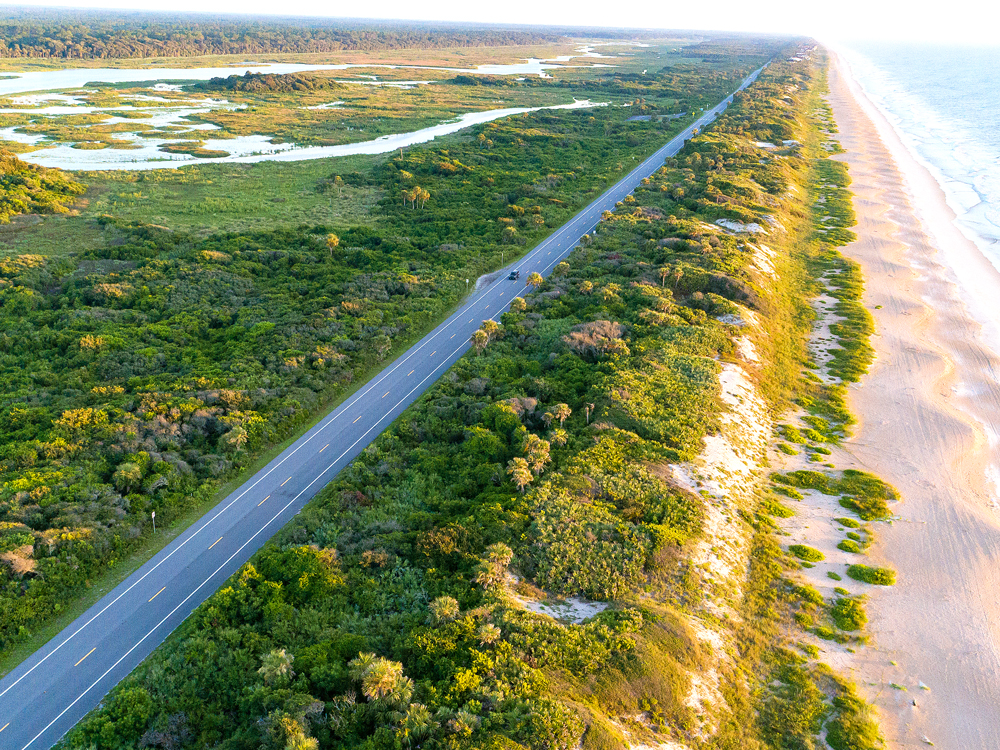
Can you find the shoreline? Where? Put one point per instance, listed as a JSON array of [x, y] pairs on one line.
[[924, 414]]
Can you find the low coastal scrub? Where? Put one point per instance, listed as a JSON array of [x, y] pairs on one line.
[[26, 188], [874, 576], [805, 552], [864, 493]]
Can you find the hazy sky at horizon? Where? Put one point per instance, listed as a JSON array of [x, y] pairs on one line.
[[968, 21]]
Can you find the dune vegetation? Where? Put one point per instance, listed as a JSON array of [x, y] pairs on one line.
[[558, 467]]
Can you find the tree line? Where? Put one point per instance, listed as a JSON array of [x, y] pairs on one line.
[[69, 34]]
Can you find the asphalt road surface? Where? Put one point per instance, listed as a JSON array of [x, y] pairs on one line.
[[59, 684]]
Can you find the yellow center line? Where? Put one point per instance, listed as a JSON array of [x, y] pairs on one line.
[[4, 726], [434, 352], [156, 594], [355, 421], [286, 481], [385, 394], [324, 447], [216, 542], [88, 654], [487, 307], [452, 335], [410, 373], [262, 501]]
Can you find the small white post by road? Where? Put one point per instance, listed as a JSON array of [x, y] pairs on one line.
[[153, 516], [466, 286]]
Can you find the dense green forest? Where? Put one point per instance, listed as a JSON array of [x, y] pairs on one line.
[[392, 612], [139, 373], [76, 34]]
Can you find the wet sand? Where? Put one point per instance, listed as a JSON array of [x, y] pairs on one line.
[[929, 414]]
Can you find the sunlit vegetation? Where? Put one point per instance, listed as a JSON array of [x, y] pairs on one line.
[[25, 188], [143, 371], [389, 613]]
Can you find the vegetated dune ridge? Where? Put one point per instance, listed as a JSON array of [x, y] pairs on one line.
[[408, 604], [924, 412]]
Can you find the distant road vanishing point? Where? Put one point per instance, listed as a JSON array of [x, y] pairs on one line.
[[59, 684]]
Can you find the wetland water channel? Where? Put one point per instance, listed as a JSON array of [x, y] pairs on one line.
[[145, 152]]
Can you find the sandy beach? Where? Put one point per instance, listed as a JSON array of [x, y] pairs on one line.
[[928, 423]]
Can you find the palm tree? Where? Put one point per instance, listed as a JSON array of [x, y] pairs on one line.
[[538, 453], [610, 291], [381, 678], [490, 328], [558, 436], [338, 182], [664, 272], [520, 473], [561, 412], [534, 279], [547, 417], [443, 609], [332, 242], [358, 667], [423, 196], [479, 339], [276, 664], [562, 269], [678, 275], [416, 723], [488, 634], [586, 287], [518, 305], [589, 408]]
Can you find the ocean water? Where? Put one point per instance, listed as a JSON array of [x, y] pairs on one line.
[[944, 101]]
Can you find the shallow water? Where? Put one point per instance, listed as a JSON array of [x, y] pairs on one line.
[[256, 148], [943, 102], [146, 153]]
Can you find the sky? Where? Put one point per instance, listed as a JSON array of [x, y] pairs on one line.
[[954, 21]]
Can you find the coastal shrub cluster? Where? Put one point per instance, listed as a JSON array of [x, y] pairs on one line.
[[26, 188], [874, 576], [864, 493]]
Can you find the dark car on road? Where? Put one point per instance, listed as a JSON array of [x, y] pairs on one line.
[[514, 275]]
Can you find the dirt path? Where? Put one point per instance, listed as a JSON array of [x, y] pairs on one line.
[[927, 415]]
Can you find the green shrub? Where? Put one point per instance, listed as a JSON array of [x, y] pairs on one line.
[[874, 576], [788, 492], [866, 495], [774, 508], [854, 535], [848, 522], [787, 449], [834, 576], [804, 552], [808, 594], [854, 725], [849, 545], [848, 614], [803, 479]]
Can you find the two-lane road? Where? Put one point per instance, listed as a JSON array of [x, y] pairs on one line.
[[47, 694]]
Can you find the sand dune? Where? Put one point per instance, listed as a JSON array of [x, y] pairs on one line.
[[928, 415]]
